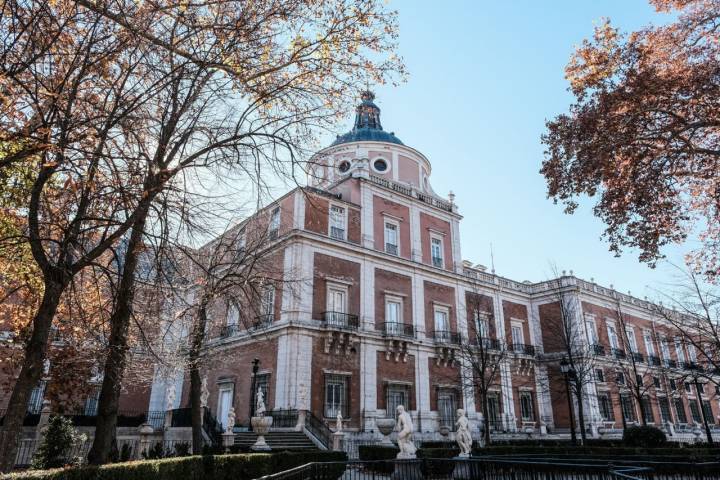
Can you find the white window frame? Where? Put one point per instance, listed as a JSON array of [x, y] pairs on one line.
[[441, 310], [591, 332], [482, 324], [649, 345], [231, 320], [630, 336], [268, 307], [222, 388], [274, 226], [389, 221], [434, 237], [692, 353], [664, 348], [330, 410], [528, 396], [612, 335], [332, 218], [399, 301], [679, 350], [519, 325], [339, 288]]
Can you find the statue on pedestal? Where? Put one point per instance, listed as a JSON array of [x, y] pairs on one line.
[[170, 397], [260, 404], [204, 393], [406, 429], [338, 423], [462, 435]]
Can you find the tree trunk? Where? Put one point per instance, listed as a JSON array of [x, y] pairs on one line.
[[198, 338], [581, 411], [31, 370], [642, 410], [486, 433], [104, 443]]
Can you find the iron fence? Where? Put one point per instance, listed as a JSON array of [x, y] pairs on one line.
[[284, 418], [340, 320], [393, 329], [471, 468]]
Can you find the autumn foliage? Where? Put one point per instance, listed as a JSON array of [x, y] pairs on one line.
[[643, 135]]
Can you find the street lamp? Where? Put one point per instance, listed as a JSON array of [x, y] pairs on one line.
[[695, 369], [255, 368], [568, 374]]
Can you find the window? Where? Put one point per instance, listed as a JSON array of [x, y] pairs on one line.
[[526, 407], [664, 349], [447, 408], [396, 395], [268, 303], [442, 325], [628, 410], [689, 389], [233, 315], [620, 380], [336, 305], [516, 331], [708, 412], [612, 336], [679, 350], [337, 222], [639, 380], [591, 331], [391, 238], [599, 375], [344, 166], [647, 410], [241, 241], [649, 346], [680, 411], [336, 401], [494, 421], [380, 165], [664, 405], [482, 325], [36, 398], [274, 223], [692, 353], [393, 310], [436, 251], [673, 385], [656, 382], [606, 410], [91, 403], [632, 343], [695, 411]]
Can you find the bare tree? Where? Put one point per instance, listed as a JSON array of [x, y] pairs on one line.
[[481, 355]]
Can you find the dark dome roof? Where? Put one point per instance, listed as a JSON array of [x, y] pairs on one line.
[[367, 124]]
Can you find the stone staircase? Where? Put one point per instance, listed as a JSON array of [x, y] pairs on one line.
[[277, 440]]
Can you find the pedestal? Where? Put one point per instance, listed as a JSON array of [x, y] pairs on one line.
[[338, 441], [145, 431], [228, 440], [301, 421]]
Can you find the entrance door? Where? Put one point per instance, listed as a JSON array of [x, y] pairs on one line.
[[493, 420], [224, 403], [446, 409]]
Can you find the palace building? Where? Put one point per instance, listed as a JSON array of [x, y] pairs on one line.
[[385, 305]]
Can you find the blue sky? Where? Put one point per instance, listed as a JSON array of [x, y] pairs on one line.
[[484, 78]]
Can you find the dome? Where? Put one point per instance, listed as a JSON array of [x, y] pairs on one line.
[[367, 124]]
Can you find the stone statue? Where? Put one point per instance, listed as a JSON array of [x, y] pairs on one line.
[[481, 427], [462, 435], [204, 393], [170, 397], [260, 404], [230, 420], [338, 423], [405, 426]]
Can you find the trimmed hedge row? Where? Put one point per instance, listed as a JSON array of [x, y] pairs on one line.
[[205, 467]]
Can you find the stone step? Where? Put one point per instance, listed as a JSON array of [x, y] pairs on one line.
[[277, 440]]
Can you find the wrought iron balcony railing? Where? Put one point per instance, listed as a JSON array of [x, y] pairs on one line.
[[638, 357], [229, 330], [447, 337], [340, 320], [619, 353], [262, 321], [654, 360], [670, 363], [394, 329], [489, 343], [598, 349], [437, 262], [337, 233], [523, 349], [391, 248]]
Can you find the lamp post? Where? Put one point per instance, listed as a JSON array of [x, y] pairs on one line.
[[569, 373], [696, 380], [255, 368]]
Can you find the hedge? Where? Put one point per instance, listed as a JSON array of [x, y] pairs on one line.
[[200, 467]]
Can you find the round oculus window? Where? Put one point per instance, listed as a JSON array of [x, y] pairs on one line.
[[380, 165], [344, 166]]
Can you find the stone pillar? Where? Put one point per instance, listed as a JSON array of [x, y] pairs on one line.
[[145, 430], [44, 419], [338, 438]]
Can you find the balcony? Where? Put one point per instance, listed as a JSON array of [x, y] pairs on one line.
[[437, 262], [598, 349], [337, 233], [263, 321], [654, 361], [619, 353], [402, 330], [490, 343], [523, 349], [229, 330], [638, 357], [340, 320], [669, 363], [391, 248], [446, 337]]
